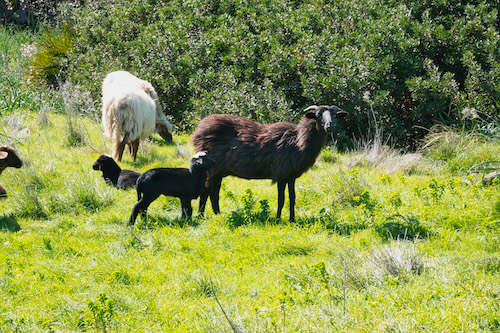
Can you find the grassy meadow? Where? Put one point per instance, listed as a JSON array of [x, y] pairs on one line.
[[383, 241]]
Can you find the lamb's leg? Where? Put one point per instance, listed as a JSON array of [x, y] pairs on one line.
[[141, 206], [203, 200], [135, 211], [291, 196], [281, 197], [187, 210], [214, 194], [134, 148]]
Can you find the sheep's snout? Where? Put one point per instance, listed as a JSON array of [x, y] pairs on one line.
[[327, 121], [164, 132], [96, 166]]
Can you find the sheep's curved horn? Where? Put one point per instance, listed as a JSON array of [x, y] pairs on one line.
[[312, 107], [3, 155], [200, 154]]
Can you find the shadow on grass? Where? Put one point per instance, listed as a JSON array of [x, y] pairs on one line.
[[327, 221], [9, 223], [155, 222], [330, 223], [144, 159]]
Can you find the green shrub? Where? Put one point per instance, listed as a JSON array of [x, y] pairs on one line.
[[400, 226], [102, 311], [49, 64], [247, 214], [415, 63]]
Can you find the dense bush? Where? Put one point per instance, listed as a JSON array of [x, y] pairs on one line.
[[415, 63], [33, 10]]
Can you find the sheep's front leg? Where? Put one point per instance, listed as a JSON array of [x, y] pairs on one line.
[[203, 200], [291, 196], [214, 194], [281, 197]]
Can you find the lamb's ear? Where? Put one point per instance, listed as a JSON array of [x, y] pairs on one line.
[[3, 155], [311, 112]]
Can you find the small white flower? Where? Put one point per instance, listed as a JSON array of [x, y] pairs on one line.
[[469, 113], [28, 50], [366, 97]]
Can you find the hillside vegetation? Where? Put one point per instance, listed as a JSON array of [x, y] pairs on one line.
[[415, 63], [383, 241]]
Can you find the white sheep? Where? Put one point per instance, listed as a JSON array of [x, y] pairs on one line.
[[130, 112]]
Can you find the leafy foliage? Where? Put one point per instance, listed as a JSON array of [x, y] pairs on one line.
[[247, 214], [49, 63], [415, 63], [399, 226]]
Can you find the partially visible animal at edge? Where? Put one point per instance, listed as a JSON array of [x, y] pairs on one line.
[[131, 111], [113, 174], [182, 183], [8, 158], [247, 149]]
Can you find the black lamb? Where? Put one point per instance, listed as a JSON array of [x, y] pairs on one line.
[[182, 183], [113, 174]]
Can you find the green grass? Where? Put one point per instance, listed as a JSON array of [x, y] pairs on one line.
[[377, 246]]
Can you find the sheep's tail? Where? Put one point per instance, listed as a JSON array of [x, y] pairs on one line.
[[138, 188]]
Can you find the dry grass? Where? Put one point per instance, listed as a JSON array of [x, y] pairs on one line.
[[377, 154], [398, 259]]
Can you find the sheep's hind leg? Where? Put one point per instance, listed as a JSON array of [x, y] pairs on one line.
[[291, 196], [142, 207], [121, 147], [116, 145], [281, 197], [134, 147], [214, 194]]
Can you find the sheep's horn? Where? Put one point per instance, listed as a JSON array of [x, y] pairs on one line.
[[312, 107], [200, 154], [3, 155]]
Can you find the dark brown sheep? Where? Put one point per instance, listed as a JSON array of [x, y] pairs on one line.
[[247, 149], [8, 158]]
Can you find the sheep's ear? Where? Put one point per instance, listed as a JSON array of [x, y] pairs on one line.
[[311, 112], [3, 155]]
